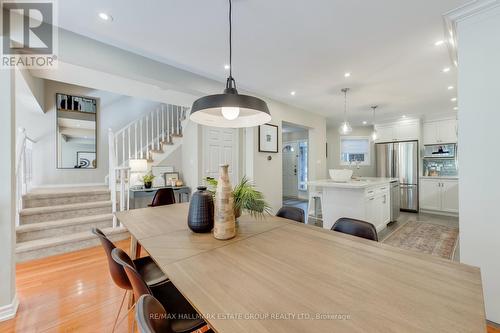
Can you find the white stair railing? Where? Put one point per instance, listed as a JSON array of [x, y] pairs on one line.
[[138, 140], [24, 168]]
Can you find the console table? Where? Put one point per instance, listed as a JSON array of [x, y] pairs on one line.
[[141, 192]]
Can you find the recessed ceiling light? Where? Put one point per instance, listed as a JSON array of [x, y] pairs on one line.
[[347, 74], [451, 87], [105, 17], [455, 108], [292, 93], [403, 116], [439, 42], [446, 69], [226, 67], [365, 122], [455, 63], [454, 99]]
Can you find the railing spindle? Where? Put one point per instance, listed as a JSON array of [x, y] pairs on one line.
[[141, 147], [135, 140]]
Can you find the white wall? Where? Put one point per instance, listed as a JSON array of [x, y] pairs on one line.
[[114, 111], [266, 174], [7, 195], [333, 139], [479, 118]]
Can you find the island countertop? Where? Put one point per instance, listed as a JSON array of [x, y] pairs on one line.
[[356, 183]]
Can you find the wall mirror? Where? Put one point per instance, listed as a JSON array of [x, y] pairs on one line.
[[76, 136]]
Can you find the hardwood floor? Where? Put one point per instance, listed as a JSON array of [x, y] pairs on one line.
[[72, 292]]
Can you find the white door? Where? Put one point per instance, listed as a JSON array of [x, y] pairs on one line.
[[430, 194], [290, 168], [430, 133], [385, 133], [449, 199], [220, 146], [447, 131]]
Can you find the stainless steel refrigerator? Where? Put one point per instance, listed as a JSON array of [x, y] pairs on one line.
[[400, 160]]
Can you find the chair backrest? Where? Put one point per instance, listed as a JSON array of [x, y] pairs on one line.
[[151, 316], [164, 196], [291, 213], [139, 286], [357, 228], [117, 272]]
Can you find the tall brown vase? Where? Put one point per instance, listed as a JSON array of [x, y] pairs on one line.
[[224, 223]]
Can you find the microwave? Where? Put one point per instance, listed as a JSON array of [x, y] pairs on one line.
[[441, 151]]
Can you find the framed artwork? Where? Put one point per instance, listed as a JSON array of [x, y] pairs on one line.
[[268, 138], [171, 175], [86, 160]]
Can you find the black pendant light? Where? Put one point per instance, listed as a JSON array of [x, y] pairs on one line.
[[230, 109]]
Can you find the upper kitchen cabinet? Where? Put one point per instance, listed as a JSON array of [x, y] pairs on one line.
[[440, 131], [398, 131]]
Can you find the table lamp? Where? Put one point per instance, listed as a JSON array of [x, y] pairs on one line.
[[137, 167]]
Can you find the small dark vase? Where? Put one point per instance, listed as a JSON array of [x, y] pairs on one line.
[[201, 211], [148, 184]]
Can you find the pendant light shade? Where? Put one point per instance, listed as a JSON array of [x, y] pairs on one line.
[[374, 133], [230, 109], [345, 128]]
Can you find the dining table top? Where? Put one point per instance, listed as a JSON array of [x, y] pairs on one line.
[[277, 275]]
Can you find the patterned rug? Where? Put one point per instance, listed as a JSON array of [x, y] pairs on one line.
[[434, 239]]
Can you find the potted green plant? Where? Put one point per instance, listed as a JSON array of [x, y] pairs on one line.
[[246, 198], [147, 179]]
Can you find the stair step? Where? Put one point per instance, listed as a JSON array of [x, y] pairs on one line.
[[60, 212], [61, 196], [33, 231], [177, 135], [62, 244]]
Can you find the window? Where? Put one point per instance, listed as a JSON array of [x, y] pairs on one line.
[[354, 150]]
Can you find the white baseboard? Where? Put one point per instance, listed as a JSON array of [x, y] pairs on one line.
[[437, 212], [9, 311], [70, 185]]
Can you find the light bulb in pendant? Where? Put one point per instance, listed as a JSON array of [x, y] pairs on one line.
[[374, 135], [230, 113], [345, 128]]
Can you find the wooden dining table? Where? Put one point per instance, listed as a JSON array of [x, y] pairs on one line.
[[278, 275]]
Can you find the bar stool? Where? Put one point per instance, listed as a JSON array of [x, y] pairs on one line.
[[314, 197]]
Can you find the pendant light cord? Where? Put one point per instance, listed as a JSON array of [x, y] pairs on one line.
[[231, 83]]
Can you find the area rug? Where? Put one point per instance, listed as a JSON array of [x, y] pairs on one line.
[[434, 239]]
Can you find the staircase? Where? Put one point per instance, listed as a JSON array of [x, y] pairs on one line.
[[152, 137], [59, 220]]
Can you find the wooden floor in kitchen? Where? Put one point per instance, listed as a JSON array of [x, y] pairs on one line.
[[71, 293]]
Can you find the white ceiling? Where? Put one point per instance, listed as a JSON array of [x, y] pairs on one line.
[[281, 46]]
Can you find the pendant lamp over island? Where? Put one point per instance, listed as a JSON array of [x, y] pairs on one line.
[[230, 109], [374, 133], [345, 128]]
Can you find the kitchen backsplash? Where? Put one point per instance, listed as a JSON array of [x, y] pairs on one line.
[[440, 167]]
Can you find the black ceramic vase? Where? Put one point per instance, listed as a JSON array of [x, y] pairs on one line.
[[201, 211]]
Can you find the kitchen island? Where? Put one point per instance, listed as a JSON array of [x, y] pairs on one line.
[[366, 198]]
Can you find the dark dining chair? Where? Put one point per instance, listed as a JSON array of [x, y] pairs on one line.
[[184, 317], [291, 213], [162, 197], [147, 268], [357, 228]]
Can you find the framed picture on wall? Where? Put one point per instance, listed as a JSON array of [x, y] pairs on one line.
[[85, 160], [268, 138]]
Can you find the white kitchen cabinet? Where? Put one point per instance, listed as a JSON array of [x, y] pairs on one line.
[[440, 195], [449, 196], [442, 131], [377, 207], [399, 131]]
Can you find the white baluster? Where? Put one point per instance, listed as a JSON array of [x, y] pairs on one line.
[[112, 173], [158, 129], [141, 146], [177, 119], [147, 137], [152, 131], [168, 122], [135, 140], [162, 123], [123, 147], [129, 150]]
